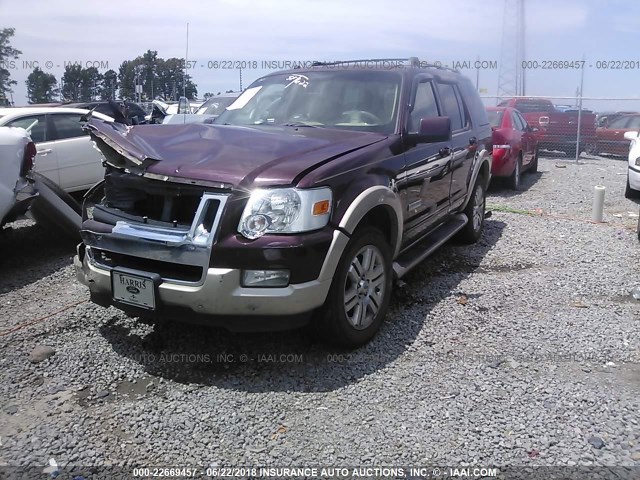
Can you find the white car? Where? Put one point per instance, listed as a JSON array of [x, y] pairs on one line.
[[65, 153], [633, 178], [17, 189]]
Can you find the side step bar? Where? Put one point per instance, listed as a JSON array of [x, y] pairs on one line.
[[416, 254]]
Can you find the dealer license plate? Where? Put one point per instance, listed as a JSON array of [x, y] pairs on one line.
[[135, 290]]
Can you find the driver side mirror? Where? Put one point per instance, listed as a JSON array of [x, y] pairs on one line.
[[432, 130], [633, 135]]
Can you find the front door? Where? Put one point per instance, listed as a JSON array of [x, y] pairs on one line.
[[428, 168]]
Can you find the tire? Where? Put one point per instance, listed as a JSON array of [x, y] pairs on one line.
[[475, 212], [49, 218], [629, 192], [343, 325], [515, 180], [533, 167], [591, 149]]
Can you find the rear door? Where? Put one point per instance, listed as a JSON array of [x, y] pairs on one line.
[[80, 164], [463, 142], [46, 161]]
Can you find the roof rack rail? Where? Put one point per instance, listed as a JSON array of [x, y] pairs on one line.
[[413, 62]]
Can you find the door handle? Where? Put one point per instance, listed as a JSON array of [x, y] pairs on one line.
[[473, 141], [44, 152], [445, 151]]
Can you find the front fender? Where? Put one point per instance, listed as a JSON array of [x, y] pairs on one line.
[[483, 157], [369, 199]]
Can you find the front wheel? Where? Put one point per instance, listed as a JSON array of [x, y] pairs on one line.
[[474, 211], [359, 295]]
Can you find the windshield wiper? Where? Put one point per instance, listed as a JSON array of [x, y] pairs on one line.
[[300, 124]]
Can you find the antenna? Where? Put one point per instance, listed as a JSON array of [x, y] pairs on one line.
[[184, 78], [186, 57]]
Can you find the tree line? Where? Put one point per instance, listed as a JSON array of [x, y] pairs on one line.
[[144, 78]]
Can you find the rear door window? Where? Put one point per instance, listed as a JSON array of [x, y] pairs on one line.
[[67, 125], [38, 130], [619, 123], [634, 123], [452, 106]]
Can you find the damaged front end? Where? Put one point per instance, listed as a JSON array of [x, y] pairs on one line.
[[136, 220], [152, 237]]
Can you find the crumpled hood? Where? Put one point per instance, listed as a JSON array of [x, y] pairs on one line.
[[239, 156]]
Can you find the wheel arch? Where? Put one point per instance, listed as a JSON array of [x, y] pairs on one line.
[[482, 169], [378, 206]]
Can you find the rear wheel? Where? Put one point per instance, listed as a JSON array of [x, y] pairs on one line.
[[359, 296], [533, 167], [474, 212], [516, 176], [591, 149]]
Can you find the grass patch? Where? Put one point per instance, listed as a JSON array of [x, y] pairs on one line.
[[506, 209]]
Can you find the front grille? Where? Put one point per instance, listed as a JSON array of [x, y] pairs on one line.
[[166, 270]]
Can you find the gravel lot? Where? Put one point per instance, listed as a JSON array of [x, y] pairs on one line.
[[520, 350]]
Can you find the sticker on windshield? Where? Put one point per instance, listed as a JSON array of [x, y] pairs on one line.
[[243, 99], [297, 79]]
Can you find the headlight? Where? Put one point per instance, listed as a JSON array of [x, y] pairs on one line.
[[638, 162], [285, 210]]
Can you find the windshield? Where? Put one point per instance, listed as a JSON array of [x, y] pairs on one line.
[[216, 106], [495, 117], [529, 106], [357, 100]]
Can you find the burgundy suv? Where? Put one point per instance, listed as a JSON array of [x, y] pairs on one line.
[[311, 193]]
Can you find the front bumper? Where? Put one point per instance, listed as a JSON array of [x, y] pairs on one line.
[[634, 177], [219, 294], [25, 194]]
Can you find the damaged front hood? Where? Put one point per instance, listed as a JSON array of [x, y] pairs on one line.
[[230, 155]]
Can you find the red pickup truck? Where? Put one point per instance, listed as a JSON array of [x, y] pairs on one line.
[[556, 130]]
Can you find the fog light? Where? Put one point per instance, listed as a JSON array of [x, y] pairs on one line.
[[265, 278]]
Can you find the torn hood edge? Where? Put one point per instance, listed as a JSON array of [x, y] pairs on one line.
[[114, 135]]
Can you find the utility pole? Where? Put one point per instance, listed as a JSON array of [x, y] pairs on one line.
[[511, 81]]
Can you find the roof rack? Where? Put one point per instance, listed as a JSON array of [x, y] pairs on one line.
[[413, 62]]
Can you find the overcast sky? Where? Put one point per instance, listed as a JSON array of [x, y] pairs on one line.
[[56, 31]]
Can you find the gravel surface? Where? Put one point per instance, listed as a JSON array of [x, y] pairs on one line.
[[520, 350]]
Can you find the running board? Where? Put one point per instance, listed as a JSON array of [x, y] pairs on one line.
[[417, 253]]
